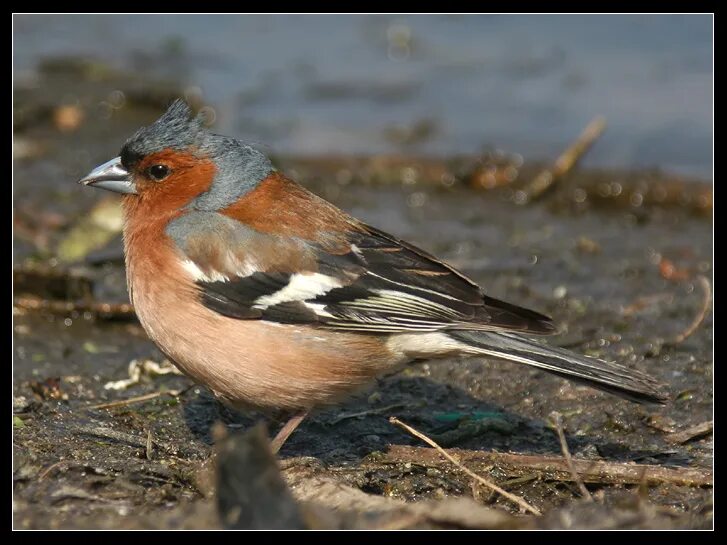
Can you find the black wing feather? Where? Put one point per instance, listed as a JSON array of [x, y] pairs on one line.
[[237, 297]]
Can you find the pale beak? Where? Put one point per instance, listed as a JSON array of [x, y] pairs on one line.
[[111, 176]]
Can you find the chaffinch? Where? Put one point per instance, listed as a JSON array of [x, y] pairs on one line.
[[276, 299]]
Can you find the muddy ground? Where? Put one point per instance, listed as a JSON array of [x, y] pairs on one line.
[[614, 257]]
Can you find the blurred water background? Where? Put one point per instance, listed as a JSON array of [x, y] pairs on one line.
[[437, 85]]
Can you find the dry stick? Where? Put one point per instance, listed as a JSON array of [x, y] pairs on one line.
[[108, 433], [149, 444], [380, 410], [519, 501], [566, 454], [554, 468], [51, 468], [543, 181], [706, 302], [642, 491], [693, 432], [145, 397], [108, 310], [644, 302]]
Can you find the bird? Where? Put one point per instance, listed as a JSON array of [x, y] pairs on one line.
[[277, 300]]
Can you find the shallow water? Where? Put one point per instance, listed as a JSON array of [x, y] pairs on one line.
[[431, 84]]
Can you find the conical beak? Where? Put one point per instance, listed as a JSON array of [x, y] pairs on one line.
[[111, 176]]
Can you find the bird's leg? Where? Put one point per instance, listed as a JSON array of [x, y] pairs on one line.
[[286, 430]]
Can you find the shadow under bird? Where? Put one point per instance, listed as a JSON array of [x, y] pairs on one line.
[[277, 300]]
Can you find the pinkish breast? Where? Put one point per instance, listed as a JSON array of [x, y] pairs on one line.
[[246, 362]]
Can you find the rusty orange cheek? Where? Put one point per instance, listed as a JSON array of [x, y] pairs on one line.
[[190, 176]]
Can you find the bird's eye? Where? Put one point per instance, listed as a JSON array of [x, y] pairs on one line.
[[158, 172]]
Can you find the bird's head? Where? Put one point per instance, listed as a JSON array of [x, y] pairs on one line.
[[176, 162]]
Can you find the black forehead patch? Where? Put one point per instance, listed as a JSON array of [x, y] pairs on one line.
[[176, 129], [129, 157]]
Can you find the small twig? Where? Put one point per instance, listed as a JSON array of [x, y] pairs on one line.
[[554, 468], [130, 400], [103, 310], [642, 491], [521, 480], [644, 302], [566, 454], [706, 302], [133, 440], [543, 181], [108, 433], [138, 399], [149, 444], [51, 468], [380, 410], [77, 494], [693, 432], [519, 501]]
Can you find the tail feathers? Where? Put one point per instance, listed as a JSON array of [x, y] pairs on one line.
[[610, 377]]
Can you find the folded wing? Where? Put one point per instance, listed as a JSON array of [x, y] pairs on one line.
[[367, 281]]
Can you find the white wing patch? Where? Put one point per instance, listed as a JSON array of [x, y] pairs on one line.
[[300, 288], [192, 268], [319, 309], [241, 270]]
